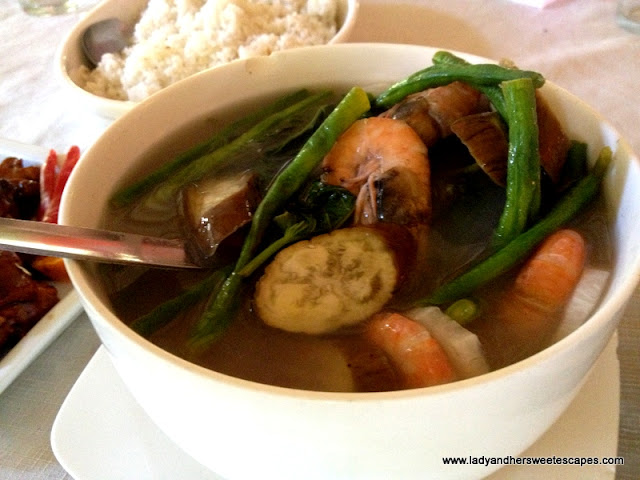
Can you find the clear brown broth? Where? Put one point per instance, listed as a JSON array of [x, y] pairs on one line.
[[251, 350]]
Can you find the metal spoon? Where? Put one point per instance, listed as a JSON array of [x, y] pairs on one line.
[[106, 36], [55, 240]]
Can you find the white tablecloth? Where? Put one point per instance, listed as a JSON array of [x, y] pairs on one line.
[[576, 44]]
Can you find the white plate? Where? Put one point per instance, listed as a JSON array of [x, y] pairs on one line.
[[59, 317], [101, 433]]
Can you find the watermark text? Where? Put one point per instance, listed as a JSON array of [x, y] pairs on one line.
[[548, 460]]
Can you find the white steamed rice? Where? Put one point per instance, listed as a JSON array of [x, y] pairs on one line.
[[177, 38]]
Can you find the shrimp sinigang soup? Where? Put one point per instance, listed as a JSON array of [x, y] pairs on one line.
[[354, 242]]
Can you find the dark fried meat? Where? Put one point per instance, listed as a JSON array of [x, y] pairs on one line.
[[23, 300], [19, 189]]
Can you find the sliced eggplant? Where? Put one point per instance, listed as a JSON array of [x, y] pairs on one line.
[[485, 136], [215, 209], [553, 141], [331, 281]]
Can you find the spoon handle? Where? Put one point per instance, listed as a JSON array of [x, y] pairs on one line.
[[55, 240]]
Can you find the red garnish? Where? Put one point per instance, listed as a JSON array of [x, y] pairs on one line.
[[48, 175], [52, 182]]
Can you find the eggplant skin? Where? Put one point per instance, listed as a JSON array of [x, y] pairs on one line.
[[331, 281], [554, 142], [213, 211], [486, 137]]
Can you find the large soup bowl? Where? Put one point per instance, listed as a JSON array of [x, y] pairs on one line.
[[245, 430]]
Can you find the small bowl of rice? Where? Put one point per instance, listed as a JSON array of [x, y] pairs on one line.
[[173, 40]]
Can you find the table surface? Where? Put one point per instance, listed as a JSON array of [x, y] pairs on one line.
[[576, 44]]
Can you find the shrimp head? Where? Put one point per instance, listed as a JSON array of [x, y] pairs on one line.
[[547, 280], [384, 163], [417, 357], [526, 315]]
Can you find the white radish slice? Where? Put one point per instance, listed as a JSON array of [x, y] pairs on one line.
[[462, 347], [584, 299]]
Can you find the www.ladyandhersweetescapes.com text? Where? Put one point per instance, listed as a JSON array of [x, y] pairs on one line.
[[548, 460]]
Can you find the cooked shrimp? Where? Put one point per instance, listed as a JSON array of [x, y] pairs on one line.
[[384, 163], [545, 282], [417, 357], [528, 313], [431, 112]]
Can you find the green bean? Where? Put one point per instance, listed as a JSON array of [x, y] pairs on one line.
[[445, 73], [446, 57], [463, 311], [298, 231], [219, 311], [518, 249], [167, 311], [353, 105], [522, 203], [575, 165], [493, 92], [131, 193]]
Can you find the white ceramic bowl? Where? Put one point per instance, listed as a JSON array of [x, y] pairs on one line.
[[244, 430], [70, 57]]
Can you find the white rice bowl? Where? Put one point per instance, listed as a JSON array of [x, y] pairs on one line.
[[174, 39]]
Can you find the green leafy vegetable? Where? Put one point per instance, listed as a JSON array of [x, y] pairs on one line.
[[321, 208], [131, 193], [269, 134], [575, 166], [167, 311]]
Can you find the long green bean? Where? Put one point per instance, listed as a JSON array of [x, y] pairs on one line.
[[131, 193], [493, 92], [353, 105], [515, 251], [167, 311], [445, 73], [575, 166], [220, 309], [523, 164]]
